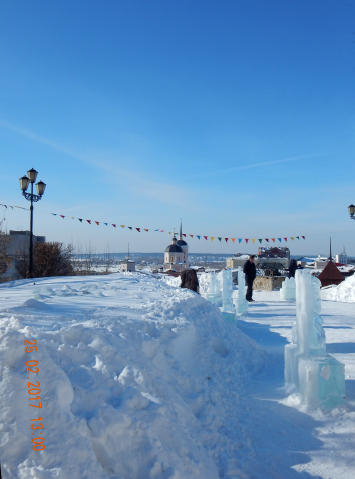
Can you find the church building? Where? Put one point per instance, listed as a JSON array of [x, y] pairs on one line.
[[176, 255]]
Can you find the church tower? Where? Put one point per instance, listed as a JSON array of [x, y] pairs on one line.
[[183, 245]]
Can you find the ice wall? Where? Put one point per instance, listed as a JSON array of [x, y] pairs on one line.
[[319, 377], [288, 290], [242, 303], [214, 291]]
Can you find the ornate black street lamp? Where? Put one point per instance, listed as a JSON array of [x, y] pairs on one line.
[[24, 182], [351, 209]]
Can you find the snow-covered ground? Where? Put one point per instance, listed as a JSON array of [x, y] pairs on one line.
[[140, 379]]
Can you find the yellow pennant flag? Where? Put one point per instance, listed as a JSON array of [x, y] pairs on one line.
[[292, 237], [253, 239], [212, 238], [122, 226]]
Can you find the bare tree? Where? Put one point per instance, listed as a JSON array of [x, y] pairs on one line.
[[49, 259], [5, 261]]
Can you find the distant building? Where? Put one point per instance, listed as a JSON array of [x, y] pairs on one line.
[[330, 275], [127, 264], [271, 262], [342, 258], [273, 252], [17, 244], [176, 255]]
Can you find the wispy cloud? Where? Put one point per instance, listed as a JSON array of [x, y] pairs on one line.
[[261, 164], [160, 191]]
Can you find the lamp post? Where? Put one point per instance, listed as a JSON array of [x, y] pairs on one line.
[[351, 209], [24, 182]]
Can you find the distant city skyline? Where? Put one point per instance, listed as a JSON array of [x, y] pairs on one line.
[[235, 116]]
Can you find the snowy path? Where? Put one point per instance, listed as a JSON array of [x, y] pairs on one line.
[[141, 380], [283, 437]]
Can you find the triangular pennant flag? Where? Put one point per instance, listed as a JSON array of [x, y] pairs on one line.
[[129, 227], [161, 231], [138, 229], [145, 230], [199, 237], [273, 239], [220, 238], [192, 236], [62, 216], [80, 219], [292, 237], [303, 237], [233, 239], [97, 222], [285, 239], [212, 238], [206, 237], [246, 240], [72, 217], [122, 226], [240, 240], [106, 224], [89, 221], [54, 214], [298, 237], [168, 232], [253, 239], [184, 235], [279, 239], [113, 225], [260, 240], [157, 229], [226, 240], [267, 240]]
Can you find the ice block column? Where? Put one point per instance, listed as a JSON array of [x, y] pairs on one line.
[[228, 309], [319, 377], [214, 291], [288, 290], [242, 303]]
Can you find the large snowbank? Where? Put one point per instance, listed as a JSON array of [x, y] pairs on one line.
[[138, 380], [345, 291]]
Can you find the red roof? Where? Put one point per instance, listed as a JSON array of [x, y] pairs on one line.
[[330, 275]]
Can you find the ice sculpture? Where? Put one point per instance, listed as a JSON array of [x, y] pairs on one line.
[[318, 376], [242, 303], [288, 290], [214, 291], [228, 309]]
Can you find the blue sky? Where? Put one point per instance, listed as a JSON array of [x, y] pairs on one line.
[[236, 116]]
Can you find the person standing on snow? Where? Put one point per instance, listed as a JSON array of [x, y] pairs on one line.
[[250, 274], [292, 268], [189, 280]]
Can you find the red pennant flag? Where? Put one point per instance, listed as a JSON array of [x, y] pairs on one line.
[[226, 240], [273, 239], [113, 225], [97, 222], [184, 235], [267, 239], [138, 229], [62, 216], [285, 239], [192, 236], [247, 239], [205, 237], [145, 230], [233, 239], [303, 237], [89, 221]]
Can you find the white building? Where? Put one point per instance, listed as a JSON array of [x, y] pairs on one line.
[[127, 265], [342, 257], [176, 255]]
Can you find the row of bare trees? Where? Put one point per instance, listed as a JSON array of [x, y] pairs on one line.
[[53, 259]]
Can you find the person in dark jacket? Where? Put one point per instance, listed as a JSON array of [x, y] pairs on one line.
[[250, 274], [189, 280], [292, 268]]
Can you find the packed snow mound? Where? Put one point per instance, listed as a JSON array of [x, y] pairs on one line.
[[345, 291], [135, 377]]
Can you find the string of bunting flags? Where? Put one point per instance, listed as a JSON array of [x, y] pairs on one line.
[[139, 230]]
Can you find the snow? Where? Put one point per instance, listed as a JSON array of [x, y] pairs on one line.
[[141, 379], [345, 291]]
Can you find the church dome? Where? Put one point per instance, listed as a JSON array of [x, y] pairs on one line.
[[181, 242], [173, 248]]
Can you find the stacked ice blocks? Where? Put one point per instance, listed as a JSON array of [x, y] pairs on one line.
[[319, 377], [288, 290], [242, 303]]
